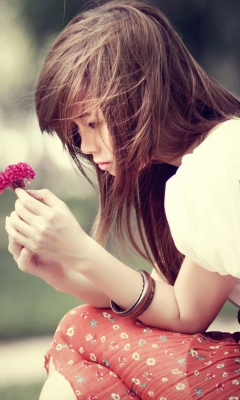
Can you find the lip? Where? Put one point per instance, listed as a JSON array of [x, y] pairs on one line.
[[104, 165]]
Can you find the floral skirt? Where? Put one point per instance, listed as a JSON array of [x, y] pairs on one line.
[[107, 357]]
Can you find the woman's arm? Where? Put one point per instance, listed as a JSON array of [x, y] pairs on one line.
[[189, 306], [58, 274], [47, 228]]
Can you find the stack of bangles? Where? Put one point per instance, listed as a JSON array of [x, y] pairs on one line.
[[143, 301]]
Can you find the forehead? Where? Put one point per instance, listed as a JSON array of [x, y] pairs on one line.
[[86, 110]]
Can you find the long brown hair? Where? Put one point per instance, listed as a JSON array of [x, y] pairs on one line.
[[126, 57]]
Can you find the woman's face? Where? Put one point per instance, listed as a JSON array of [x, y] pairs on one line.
[[95, 138]]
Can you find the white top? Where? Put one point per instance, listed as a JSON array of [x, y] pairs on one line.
[[202, 203]]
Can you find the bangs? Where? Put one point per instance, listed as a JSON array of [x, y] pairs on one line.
[[90, 64]]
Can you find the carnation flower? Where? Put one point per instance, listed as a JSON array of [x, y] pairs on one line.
[[15, 176]]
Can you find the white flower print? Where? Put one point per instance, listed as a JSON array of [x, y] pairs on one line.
[[180, 386], [70, 362], [103, 339], [196, 373], [70, 331], [193, 352], [58, 347], [80, 379], [93, 323], [176, 371], [113, 374], [214, 347], [92, 357], [163, 398], [115, 327], [78, 393], [136, 381], [235, 382], [151, 361], [124, 335], [208, 363], [237, 360], [141, 342], [147, 331], [115, 396], [136, 356], [106, 315], [155, 346], [151, 393], [88, 337], [220, 366], [165, 379], [181, 361], [127, 347], [225, 374], [81, 350], [163, 338], [233, 398]]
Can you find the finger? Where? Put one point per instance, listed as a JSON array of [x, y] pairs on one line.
[[15, 235], [31, 203], [43, 196], [24, 213], [14, 248], [25, 261], [21, 226]]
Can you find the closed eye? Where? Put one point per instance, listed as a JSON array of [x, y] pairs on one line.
[[91, 125]]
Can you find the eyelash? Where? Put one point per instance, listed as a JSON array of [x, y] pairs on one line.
[[91, 125]]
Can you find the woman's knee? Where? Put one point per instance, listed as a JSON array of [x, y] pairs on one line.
[[57, 387]]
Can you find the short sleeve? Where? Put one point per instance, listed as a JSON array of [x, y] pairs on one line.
[[202, 202]]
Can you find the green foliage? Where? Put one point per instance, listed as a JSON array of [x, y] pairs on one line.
[[21, 392], [28, 306]]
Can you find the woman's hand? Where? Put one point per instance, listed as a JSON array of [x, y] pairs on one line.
[[53, 272], [57, 274], [44, 225]]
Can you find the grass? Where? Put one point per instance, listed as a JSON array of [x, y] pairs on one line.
[[21, 392]]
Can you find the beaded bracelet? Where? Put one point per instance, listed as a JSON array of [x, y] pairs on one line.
[[143, 301]]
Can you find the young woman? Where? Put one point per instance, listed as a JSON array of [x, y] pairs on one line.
[[123, 94]]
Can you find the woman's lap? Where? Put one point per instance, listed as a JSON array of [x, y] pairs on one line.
[[107, 357]]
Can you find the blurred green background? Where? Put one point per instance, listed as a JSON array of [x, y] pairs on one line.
[[210, 29]]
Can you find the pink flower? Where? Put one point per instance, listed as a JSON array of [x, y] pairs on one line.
[[14, 176]]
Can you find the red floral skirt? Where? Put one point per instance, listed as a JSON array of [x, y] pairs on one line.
[[107, 357]]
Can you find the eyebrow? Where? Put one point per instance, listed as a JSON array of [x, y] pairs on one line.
[[83, 115]]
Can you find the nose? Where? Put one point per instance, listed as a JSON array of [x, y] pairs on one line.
[[88, 144]]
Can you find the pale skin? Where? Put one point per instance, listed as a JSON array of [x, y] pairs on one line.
[[46, 240]]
